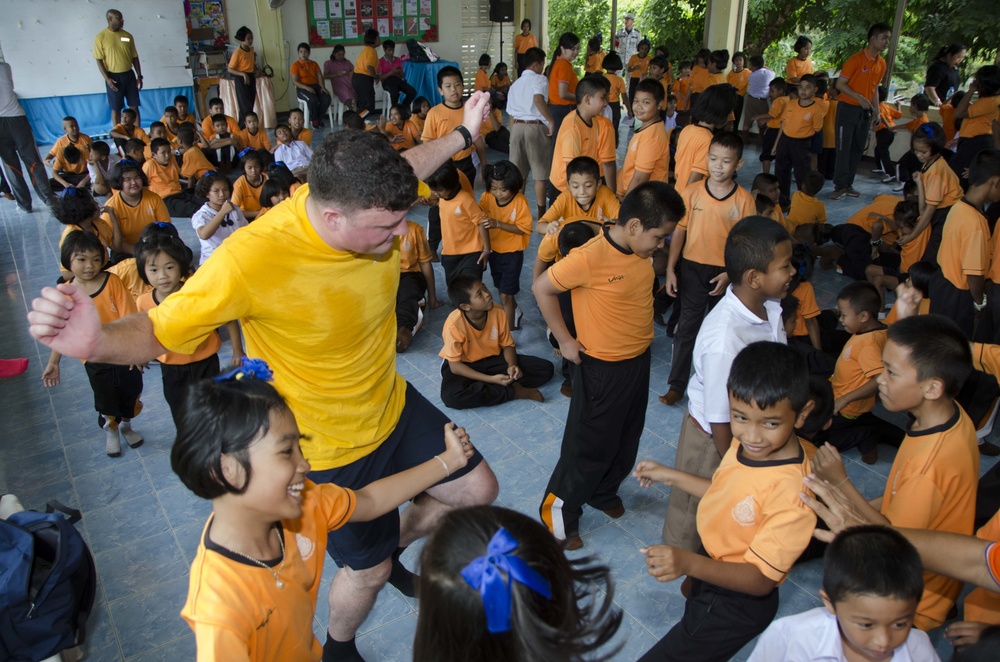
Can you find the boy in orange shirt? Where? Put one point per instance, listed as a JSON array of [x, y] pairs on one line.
[[801, 119], [611, 279], [682, 87], [252, 135], [66, 167], [508, 219], [164, 180], [752, 523], [636, 68], [128, 129], [658, 71], [855, 376], [194, 164], [966, 250], [779, 100], [612, 65], [648, 151], [465, 239], [932, 482], [739, 78], [481, 365], [208, 132], [585, 132], [416, 279], [885, 134], [713, 208], [446, 117], [586, 198], [72, 137]]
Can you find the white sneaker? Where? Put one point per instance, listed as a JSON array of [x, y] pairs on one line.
[[889, 179], [899, 187], [878, 172], [518, 316]]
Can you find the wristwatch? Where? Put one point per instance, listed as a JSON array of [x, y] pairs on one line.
[[465, 134]]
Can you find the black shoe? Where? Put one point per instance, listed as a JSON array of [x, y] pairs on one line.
[[671, 330], [658, 319], [400, 578]]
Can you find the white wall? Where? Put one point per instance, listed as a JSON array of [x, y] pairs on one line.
[[49, 43]]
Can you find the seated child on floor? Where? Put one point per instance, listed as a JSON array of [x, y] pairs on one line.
[[295, 154], [416, 279], [855, 376], [806, 220], [889, 267], [272, 192], [481, 366], [218, 218], [238, 441], [752, 523], [872, 583], [69, 170]]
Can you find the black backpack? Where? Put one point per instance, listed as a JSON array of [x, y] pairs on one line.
[[47, 584], [416, 51]]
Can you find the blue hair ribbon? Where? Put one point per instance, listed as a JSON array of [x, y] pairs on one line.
[[163, 225], [68, 192], [208, 173], [928, 129], [279, 164], [253, 368], [246, 150], [127, 161], [493, 575]]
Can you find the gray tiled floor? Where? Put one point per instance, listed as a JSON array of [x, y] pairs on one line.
[[143, 526]]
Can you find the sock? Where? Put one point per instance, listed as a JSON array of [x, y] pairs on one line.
[[401, 578], [341, 651]]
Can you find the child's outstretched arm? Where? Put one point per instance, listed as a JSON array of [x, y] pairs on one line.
[[649, 472], [829, 466], [484, 234], [50, 376], [386, 494]]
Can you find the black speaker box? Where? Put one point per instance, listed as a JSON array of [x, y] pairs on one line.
[[501, 11]]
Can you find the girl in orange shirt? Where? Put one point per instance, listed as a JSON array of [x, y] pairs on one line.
[[243, 69], [594, 62], [522, 43], [365, 74], [562, 79], [799, 65], [977, 118], [500, 84], [256, 575], [938, 186]]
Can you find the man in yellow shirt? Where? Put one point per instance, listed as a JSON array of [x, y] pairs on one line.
[[333, 359], [114, 50]]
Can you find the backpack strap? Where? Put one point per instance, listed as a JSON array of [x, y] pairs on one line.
[[72, 514]]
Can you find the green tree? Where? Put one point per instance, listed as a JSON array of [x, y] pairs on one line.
[[584, 19]]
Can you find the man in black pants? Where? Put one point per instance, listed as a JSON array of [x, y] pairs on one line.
[[17, 143]]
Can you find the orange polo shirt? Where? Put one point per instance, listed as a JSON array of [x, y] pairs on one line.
[[699, 79], [805, 209], [575, 139], [647, 152], [464, 343], [618, 88], [516, 212], [798, 121], [132, 220], [461, 218], [982, 112], [257, 140], [308, 71], [366, 58], [796, 68], [242, 60], [561, 72], [441, 120], [194, 163], [523, 42], [641, 62], [932, 485], [208, 129], [941, 185], [740, 80], [883, 205], [612, 294], [965, 245], [863, 74], [164, 181], [413, 249], [603, 208], [692, 153], [247, 196], [709, 219], [860, 361]]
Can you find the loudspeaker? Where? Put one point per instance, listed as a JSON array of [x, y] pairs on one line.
[[501, 11]]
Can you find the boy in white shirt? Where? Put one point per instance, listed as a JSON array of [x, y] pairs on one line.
[[531, 123], [293, 153], [758, 256], [758, 93], [872, 583]]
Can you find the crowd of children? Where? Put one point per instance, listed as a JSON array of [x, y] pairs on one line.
[[763, 368]]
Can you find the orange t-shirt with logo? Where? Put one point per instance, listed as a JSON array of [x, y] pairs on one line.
[[808, 307], [132, 220], [648, 152], [965, 245], [692, 153], [941, 185], [461, 219], [466, 344], [561, 72], [414, 249], [516, 212], [863, 74], [709, 219], [575, 139], [164, 181], [246, 196]]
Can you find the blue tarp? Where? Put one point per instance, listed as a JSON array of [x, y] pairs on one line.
[[92, 111], [423, 77]]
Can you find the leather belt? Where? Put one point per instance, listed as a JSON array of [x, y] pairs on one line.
[[528, 122]]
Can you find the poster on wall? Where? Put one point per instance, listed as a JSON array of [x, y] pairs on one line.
[[345, 21]]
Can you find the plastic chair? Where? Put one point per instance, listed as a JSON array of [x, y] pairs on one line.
[[304, 107], [336, 111]]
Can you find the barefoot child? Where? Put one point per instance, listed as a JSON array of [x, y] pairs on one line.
[[482, 367]]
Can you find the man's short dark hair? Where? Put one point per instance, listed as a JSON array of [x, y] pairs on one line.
[[765, 373], [756, 61], [651, 87], [185, 134], [448, 72], [750, 245], [655, 204], [459, 289], [879, 28], [355, 170], [71, 154], [937, 348], [862, 297], [588, 86], [872, 560], [134, 144]]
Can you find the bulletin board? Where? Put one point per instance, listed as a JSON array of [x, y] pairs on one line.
[[345, 21], [203, 14]]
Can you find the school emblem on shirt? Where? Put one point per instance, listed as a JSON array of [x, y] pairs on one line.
[[114, 308], [743, 512], [734, 214], [846, 353], [494, 334], [407, 245], [513, 215], [306, 546], [807, 116], [458, 210]]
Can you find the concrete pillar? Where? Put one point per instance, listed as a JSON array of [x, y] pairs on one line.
[[725, 24]]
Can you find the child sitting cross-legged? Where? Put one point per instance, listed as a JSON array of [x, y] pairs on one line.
[[481, 366], [752, 524], [872, 582], [256, 575]]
